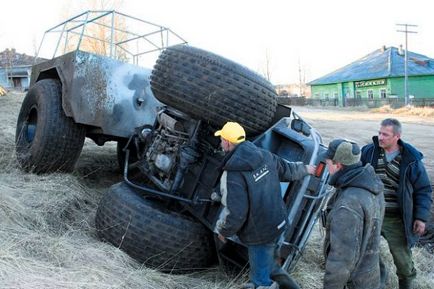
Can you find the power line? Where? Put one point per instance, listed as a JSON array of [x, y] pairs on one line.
[[406, 31]]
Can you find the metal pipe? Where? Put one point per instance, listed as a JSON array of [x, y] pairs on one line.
[[89, 36], [39, 49], [89, 20], [66, 42], [58, 42], [142, 36], [82, 32], [69, 20], [141, 20], [112, 35]]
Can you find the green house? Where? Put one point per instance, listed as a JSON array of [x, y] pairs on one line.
[[377, 79]]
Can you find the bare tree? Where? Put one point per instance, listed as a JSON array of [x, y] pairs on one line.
[[9, 55], [267, 66], [98, 36], [101, 39], [35, 46]]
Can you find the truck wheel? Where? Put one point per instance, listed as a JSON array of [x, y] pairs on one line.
[[46, 139], [150, 233], [212, 88]]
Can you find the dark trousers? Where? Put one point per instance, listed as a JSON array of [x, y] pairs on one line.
[[394, 233]]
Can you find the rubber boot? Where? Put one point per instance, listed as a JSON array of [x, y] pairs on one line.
[[406, 284], [284, 281]]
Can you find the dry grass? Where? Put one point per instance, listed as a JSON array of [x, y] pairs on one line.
[[48, 238], [47, 232], [406, 110]]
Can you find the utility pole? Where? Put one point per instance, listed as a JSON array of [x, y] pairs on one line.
[[299, 79], [406, 31]]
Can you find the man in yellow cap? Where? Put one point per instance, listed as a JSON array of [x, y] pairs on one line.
[[253, 207]]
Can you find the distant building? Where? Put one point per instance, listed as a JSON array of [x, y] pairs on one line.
[[15, 69], [379, 76], [292, 90]]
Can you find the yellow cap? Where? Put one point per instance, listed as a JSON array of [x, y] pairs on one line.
[[232, 132]]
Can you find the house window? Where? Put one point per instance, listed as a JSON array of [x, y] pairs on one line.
[[317, 95], [358, 94], [335, 95], [370, 94], [326, 96], [383, 93]]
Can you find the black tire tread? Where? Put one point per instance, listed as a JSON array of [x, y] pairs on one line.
[[213, 88], [151, 234], [58, 139]]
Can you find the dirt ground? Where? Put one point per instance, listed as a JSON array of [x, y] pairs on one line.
[[47, 221], [360, 126]]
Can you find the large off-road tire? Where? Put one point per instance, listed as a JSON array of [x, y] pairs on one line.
[[46, 139], [151, 234], [212, 88]]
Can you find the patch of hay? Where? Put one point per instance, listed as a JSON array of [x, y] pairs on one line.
[[406, 110], [383, 109], [48, 238], [47, 233]]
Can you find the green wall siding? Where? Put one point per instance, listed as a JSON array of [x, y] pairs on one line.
[[324, 91], [376, 91], [419, 86]]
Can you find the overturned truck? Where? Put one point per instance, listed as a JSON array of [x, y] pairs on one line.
[[164, 211]]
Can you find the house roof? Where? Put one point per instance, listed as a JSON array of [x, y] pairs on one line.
[[10, 58], [382, 63]]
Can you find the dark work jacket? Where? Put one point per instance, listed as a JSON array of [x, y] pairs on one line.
[[414, 191], [253, 207], [353, 229]]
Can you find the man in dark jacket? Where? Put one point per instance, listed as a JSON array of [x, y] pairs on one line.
[[407, 193], [253, 207], [353, 226]]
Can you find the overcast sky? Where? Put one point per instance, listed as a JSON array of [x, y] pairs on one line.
[[320, 35]]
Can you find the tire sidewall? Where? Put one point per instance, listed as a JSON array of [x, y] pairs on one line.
[[149, 232], [57, 139], [33, 100]]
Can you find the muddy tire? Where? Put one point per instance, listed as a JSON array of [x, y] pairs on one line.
[[46, 139], [151, 234], [214, 89]]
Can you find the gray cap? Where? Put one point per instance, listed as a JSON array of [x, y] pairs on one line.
[[342, 151]]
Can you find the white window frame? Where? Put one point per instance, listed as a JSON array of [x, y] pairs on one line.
[[381, 93], [370, 94], [358, 94]]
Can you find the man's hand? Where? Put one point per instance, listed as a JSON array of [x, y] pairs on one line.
[[222, 238], [419, 227], [311, 169]]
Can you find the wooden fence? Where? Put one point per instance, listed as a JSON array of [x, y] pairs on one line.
[[393, 102]]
